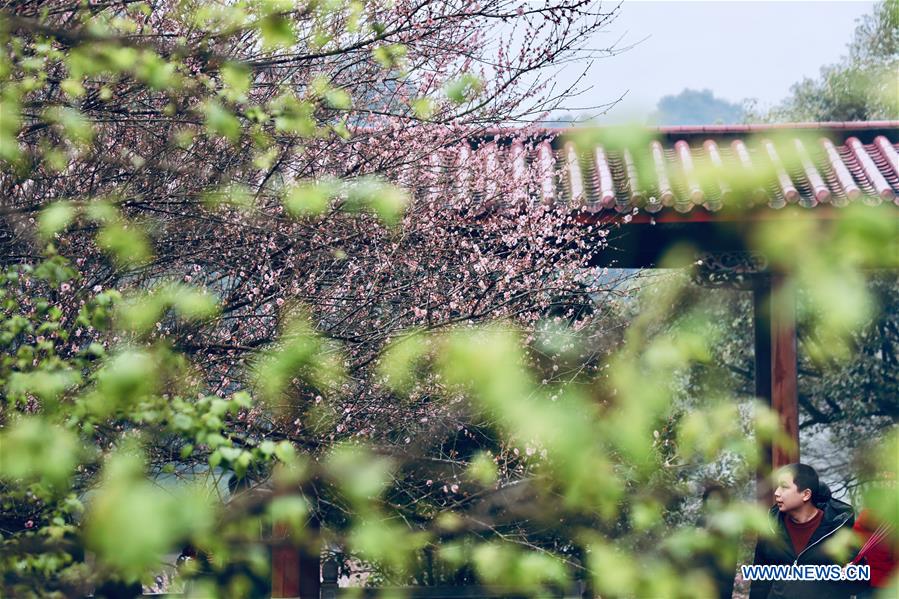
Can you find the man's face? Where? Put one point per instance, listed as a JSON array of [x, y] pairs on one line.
[[787, 496]]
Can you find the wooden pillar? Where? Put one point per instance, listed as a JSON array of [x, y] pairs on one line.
[[785, 368], [285, 564], [776, 369], [296, 570]]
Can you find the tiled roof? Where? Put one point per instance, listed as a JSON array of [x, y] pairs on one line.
[[713, 167]]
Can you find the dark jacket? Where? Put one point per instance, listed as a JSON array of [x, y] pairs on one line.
[[779, 551]]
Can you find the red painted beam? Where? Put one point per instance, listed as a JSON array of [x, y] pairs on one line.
[[700, 215]]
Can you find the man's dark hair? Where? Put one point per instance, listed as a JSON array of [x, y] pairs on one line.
[[806, 477]]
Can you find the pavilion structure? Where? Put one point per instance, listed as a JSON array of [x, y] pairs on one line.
[[811, 171], [659, 195]]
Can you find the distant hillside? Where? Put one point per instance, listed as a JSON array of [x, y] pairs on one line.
[[692, 107]]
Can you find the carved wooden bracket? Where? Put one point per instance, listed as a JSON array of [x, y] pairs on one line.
[[736, 270]]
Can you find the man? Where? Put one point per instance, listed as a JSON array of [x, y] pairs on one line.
[[804, 517]]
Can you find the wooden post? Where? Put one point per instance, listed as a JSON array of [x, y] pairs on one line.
[[785, 368], [285, 564], [776, 369], [296, 570]]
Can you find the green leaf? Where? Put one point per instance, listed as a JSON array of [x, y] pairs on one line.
[[482, 469], [464, 88], [183, 138], [221, 121], [35, 450], [339, 99], [45, 383], [123, 382], [390, 55], [423, 108], [614, 573], [236, 77], [215, 440], [387, 201], [277, 32], [55, 217], [386, 541], [140, 311], [299, 354], [290, 510], [242, 399], [112, 56], [75, 124], [285, 452], [294, 116], [191, 303], [234, 195], [320, 38], [267, 448], [183, 422], [101, 211], [131, 523], [96, 349], [72, 88], [400, 359], [10, 125], [360, 475], [126, 244], [263, 160], [230, 453], [156, 72], [508, 566], [354, 16], [309, 199], [56, 158]]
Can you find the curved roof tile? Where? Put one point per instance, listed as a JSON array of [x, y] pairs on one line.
[[716, 167]]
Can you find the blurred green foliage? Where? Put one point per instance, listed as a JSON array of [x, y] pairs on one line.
[[604, 450]]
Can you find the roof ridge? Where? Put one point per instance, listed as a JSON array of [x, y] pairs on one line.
[[741, 128]]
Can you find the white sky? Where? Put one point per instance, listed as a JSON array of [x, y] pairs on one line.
[[737, 49]]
